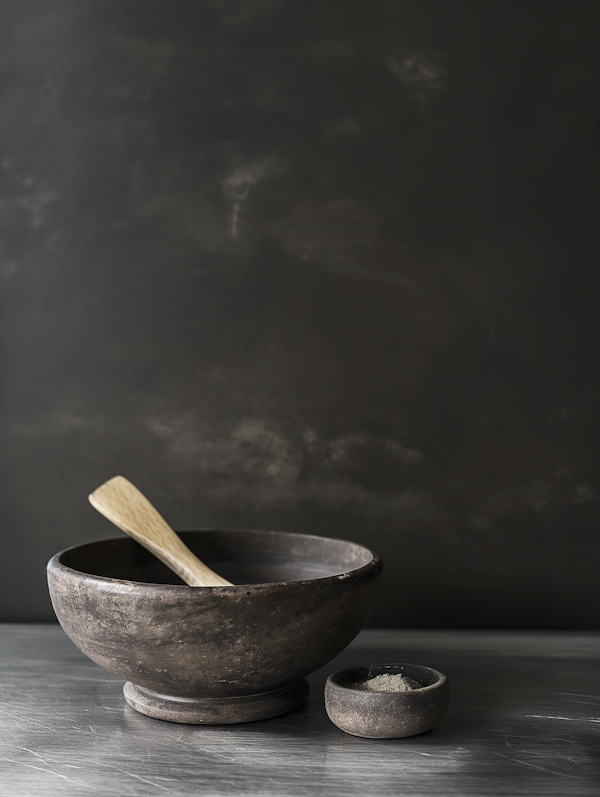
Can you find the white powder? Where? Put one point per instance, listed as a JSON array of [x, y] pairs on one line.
[[388, 683]]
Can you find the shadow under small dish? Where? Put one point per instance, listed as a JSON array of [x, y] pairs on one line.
[[373, 714]]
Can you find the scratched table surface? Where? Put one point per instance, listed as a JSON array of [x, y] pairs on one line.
[[524, 719]]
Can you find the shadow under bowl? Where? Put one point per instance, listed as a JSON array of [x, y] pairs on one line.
[[386, 715], [215, 654]]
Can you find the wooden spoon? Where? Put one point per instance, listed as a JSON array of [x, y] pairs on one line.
[[124, 505]]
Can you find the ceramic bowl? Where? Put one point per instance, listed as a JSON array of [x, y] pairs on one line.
[[215, 654], [386, 715]]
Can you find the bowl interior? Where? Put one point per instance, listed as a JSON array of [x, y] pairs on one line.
[[242, 557], [426, 676]]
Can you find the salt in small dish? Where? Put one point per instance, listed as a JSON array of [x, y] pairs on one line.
[[360, 711]]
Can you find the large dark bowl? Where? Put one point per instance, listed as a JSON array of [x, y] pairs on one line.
[[215, 654]]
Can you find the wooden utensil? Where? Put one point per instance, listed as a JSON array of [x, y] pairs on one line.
[[126, 507]]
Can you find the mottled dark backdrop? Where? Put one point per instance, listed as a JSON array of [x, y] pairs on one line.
[[321, 266]]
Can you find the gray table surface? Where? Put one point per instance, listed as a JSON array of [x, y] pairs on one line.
[[524, 719]]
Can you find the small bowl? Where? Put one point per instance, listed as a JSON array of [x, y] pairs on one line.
[[215, 654], [386, 715]]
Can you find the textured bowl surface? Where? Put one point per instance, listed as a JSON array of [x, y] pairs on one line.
[[298, 600], [386, 715]]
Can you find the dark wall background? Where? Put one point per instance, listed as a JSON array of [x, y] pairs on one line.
[[318, 266]]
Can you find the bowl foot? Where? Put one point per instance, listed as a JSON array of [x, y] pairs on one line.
[[216, 710]]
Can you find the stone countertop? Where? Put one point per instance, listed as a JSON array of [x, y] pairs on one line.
[[524, 719]]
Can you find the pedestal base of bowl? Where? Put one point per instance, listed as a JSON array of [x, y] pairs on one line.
[[216, 710]]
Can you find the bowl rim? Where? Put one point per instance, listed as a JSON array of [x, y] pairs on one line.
[[332, 682], [56, 566]]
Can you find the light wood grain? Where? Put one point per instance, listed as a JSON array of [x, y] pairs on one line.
[[125, 506]]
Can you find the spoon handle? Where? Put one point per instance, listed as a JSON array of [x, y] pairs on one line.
[[126, 507]]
